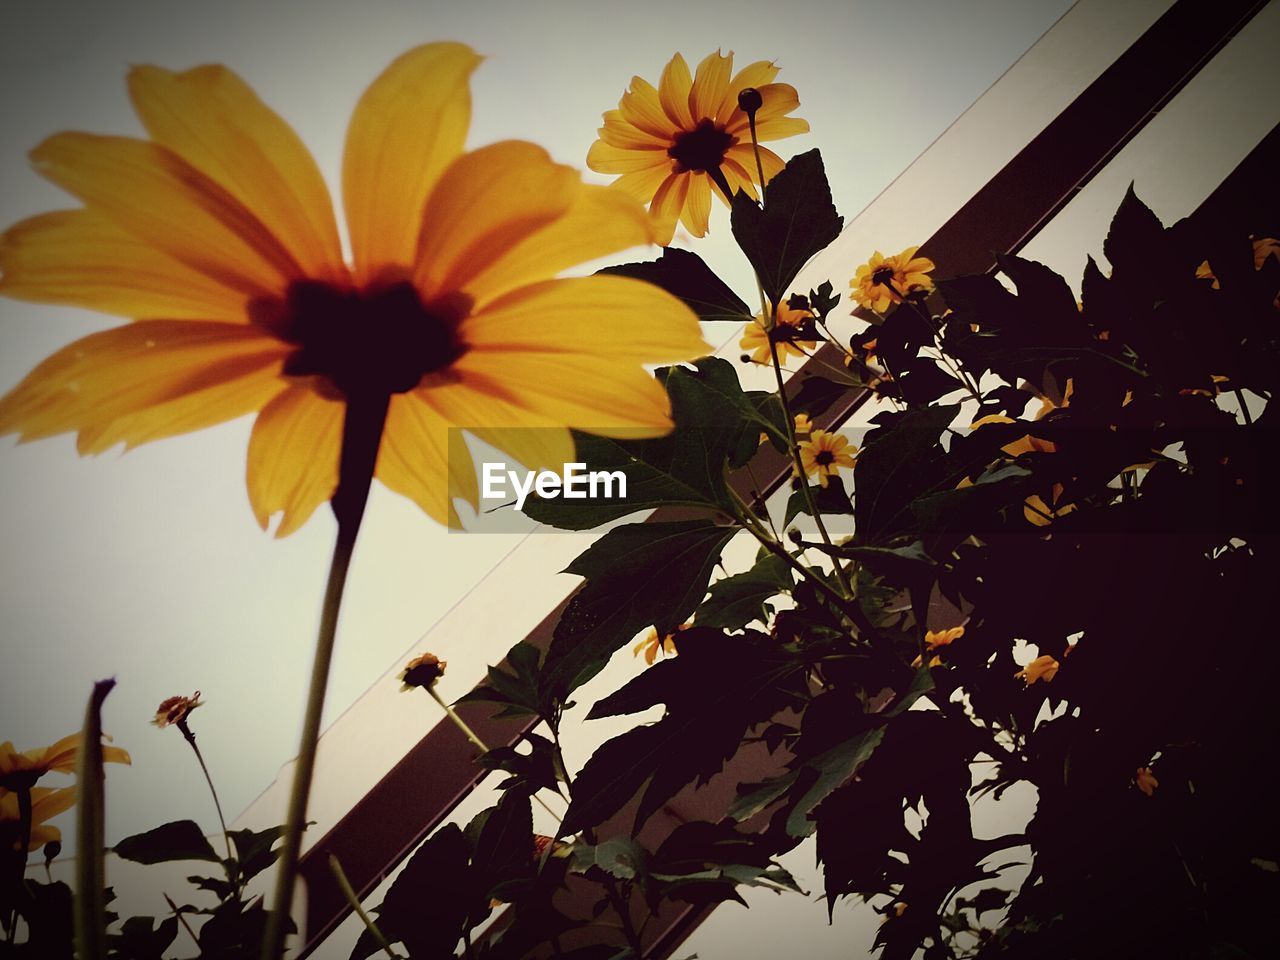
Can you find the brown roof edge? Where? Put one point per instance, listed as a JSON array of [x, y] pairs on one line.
[[407, 804]]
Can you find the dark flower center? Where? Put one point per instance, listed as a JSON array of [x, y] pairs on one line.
[[824, 458], [701, 148], [369, 342], [882, 276]]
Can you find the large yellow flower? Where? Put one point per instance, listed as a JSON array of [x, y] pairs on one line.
[[755, 338], [217, 235], [21, 769], [665, 141], [882, 280], [45, 805]]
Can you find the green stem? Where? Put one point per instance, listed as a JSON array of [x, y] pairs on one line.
[[91, 873], [191, 739], [182, 919], [362, 434], [349, 893]]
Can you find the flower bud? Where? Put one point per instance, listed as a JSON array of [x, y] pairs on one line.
[[422, 671], [750, 101]]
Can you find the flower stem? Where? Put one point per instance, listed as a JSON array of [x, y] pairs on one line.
[[181, 919], [345, 886], [191, 739], [362, 434]]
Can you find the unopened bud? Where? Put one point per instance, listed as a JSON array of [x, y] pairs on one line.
[[750, 101]]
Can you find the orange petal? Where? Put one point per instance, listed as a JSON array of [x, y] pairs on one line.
[[158, 197], [778, 99], [618, 131], [424, 460], [214, 121], [485, 204], [756, 75], [697, 209], [81, 259], [537, 442], [293, 457], [407, 128], [710, 85], [602, 221], [673, 92], [606, 158], [644, 184], [91, 384], [641, 107], [668, 204]]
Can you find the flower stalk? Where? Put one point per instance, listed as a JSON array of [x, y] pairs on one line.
[[362, 434], [185, 729], [340, 875]]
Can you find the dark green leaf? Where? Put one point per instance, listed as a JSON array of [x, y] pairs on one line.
[[901, 460], [254, 850], [831, 500], [620, 857], [736, 601], [179, 840], [797, 221], [685, 275]]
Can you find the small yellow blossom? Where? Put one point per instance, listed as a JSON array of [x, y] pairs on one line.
[[824, 453], [1146, 781], [882, 280], [1043, 668], [755, 337], [804, 426]]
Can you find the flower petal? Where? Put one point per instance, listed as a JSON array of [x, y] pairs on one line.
[[673, 92], [641, 107], [158, 197], [744, 155], [535, 441], [81, 259], [293, 457], [710, 85], [407, 128], [643, 184], [667, 205], [697, 209], [756, 75], [486, 203], [778, 99], [422, 459], [214, 121], [618, 131], [93, 384], [602, 221], [606, 158]]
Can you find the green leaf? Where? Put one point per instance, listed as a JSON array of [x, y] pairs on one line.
[[1136, 235], [141, 938], [736, 601], [620, 857], [686, 275], [901, 460], [523, 692], [179, 840], [638, 575], [905, 566], [834, 767], [684, 468], [254, 849], [797, 221], [504, 849], [831, 500]]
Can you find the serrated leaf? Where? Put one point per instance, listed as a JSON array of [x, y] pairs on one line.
[[620, 857], [798, 220], [900, 461], [831, 500], [685, 275], [833, 768], [179, 840]]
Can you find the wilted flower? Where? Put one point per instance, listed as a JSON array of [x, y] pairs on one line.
[[422, 671], [1146, 781], [669, 142], [217, 235], [22, 770], [1043, 668], [175, 710], [882, 280], [824, 453]]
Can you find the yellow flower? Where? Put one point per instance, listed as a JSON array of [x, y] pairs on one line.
[[755, 337], [882, 280], [218, 236], [1146, 781], [1264, 247], [18, 770], [825, 453], [1041, 668], [933, 639], [422, 671], [175, 710], [666, 141], [45, 805], [650, 646], [804, 426]]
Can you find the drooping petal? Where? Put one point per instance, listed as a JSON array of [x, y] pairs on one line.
[[602, 221], [697, 210], [606, 158], [293, 457], [158, 197], [598, 318], [93, 383], [756, 75], [407, 128], [667, 205], [422, 459], [213, 120], [80, 258], [710, 85], [673, 92], [537, 442], [486, 203]]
